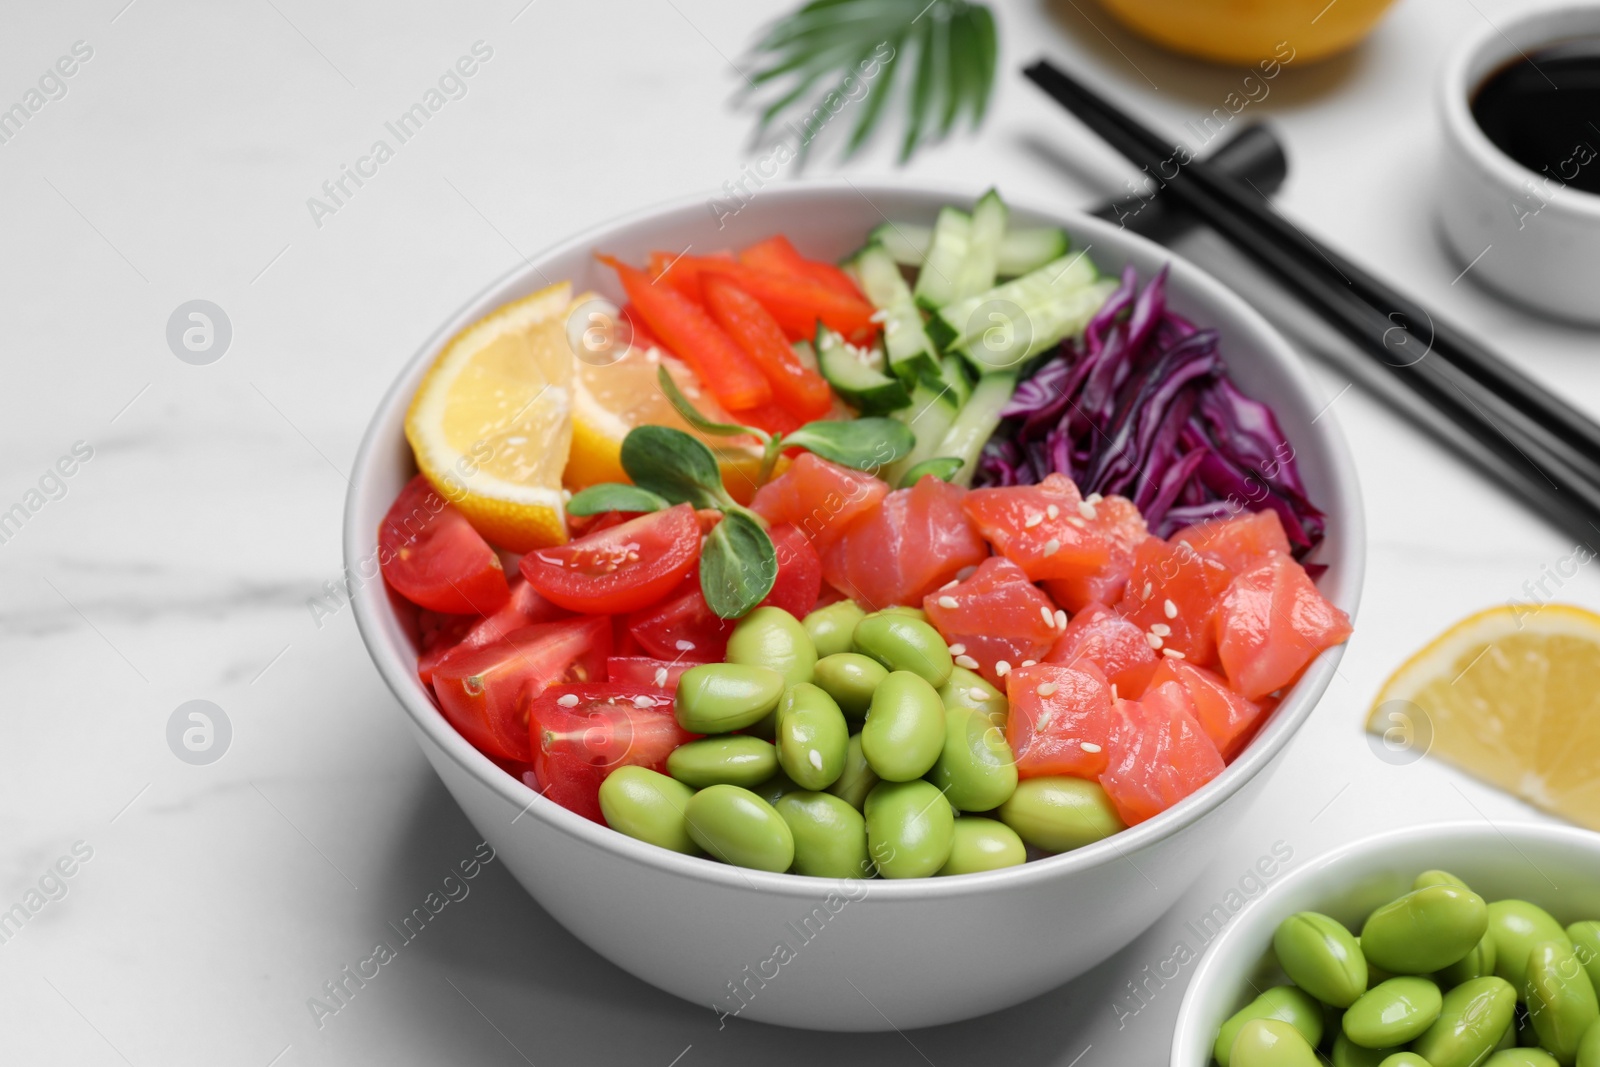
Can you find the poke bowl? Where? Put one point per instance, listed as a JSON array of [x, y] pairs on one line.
[[756, 940]]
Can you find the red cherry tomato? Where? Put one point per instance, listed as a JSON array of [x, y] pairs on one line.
[[431, 555], [578, 734], [485, 692], [683, 626], [647, 670], [525, 608], [620, 568]]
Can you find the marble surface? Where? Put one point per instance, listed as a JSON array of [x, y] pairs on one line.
[[207, 903]]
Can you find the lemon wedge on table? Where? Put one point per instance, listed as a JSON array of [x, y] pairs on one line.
[[491, 423], [1512, 696]]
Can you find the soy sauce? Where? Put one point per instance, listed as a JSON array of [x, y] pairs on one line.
[[1544, 112]]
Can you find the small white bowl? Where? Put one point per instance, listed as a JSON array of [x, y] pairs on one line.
[[864, 955], [1523, 233], [1555, 867]]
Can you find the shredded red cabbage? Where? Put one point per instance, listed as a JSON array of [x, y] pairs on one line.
[[1142, 406]]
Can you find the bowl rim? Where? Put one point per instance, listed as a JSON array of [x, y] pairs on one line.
[[398, 672], [1319, 866]]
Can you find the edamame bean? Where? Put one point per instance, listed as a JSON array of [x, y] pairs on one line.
[[775, 788], [1438, 877], [1589, 1047], [732, 760], [857, 779], [975, 768], [980, 844], [1321, 957], [1509, 1038], [812, 737], [1270, 1043], [850, 679], [969, 689], [718, 698], [832, 629], [910, 829], [1347, 1053], [1471, 1020], [1522, 1057], [1059, 814], [904, 609], [1285, 1003], [649, 806], [1561, 1002], [903, 643], [904, 731], [1425, 930], [738, 827], [1586, 943], [1475, 964], [1390, 1014], [1403, 1059], [771, 637], [1516, 927], [830, 837]]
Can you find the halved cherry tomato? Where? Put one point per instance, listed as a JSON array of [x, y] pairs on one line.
[[682, 626], [916, 540], [581, 733], [485, 692], [771, 418], [795, 387], [621, 568], [1042, 528], [1224, 715], [995, 616], [777, 254], [1159, 754], [430, 554], [1118, 521], [1271, 622], [1238, 541], [525, 608], [647, 670], [798, 303], [1060, 720], [799, 580], [819, 497], [1172, 595], [693, 337], [1116, 646]]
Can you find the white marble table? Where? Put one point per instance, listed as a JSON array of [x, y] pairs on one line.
[[206, 904]]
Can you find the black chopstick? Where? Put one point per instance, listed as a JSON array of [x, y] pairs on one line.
[[1555, 471]]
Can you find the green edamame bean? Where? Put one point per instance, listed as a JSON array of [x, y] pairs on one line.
[[1059, 814], [1285, 1003], [775, 788], [1425, 930], [1589, 1047], [1509, 1038], [1473, 1017], [812, 737], [1586, 943], [910, 829], [857, 779], [904, 609], [1321, 957], [975, 768], [732, 760], [739, 828], [903, 643], [1516, 927], [830, 837], [980, 844], [718, 698], [1522, 1057], [649, 806], [771, 637], [1561, 1001], [1438, 877], [904, 731], [1271, 1043], [850, 679], [1403, 1059], [969, 689], [1390, 1014], [1347, 1053], [1475, 964], [832, 629]]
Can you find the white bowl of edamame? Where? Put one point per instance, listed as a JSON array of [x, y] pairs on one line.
[[810, 952], [1554, 869]]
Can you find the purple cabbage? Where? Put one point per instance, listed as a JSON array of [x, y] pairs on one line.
[[1142, 406]]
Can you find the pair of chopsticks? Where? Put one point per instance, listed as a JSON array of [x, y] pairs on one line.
[[1536, 444]]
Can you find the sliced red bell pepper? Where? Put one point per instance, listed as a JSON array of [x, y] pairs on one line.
[[796, 302], [777, 254], [795, 387], [640, 335], [693, 337], [680, 271]]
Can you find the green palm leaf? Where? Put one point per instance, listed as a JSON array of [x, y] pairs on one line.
[[815, 61]]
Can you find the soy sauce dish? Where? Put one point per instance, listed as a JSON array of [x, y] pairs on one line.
[[853, 955]]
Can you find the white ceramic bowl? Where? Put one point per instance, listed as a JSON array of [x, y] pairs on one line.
[[858, 956], [1555, 867], [1524, 234]]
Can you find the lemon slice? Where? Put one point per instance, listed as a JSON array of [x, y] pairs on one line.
[[491, 423], [1512, 696]]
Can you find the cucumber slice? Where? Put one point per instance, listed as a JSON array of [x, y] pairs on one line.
[[941, 467], [984, 233], [1022, 251], [906, 242], [909, 351], [977, 422], [1005, 325], [933, 408], [863, 387], [936, 282]]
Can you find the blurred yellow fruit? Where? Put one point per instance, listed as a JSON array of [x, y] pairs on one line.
[[1249, 32]]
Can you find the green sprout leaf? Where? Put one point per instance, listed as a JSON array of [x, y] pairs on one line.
[[673, 465], [737, 565], [694, 418], [614, 496], [943, 468], [863, 444]]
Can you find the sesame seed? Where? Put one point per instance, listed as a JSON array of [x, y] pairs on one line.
[[1174, 653], [879, 316], [1032, 520], [1029, 662], [968, 662], [1052, 546], [1155, 642], [1094, 498], [1053, 511], [1049, 619], [1148, 588], [1086, 509], [1169, 609], [958, 649], [1077, 522], [890, 327], [1161, 629], [949, 603], [1002, 668], [966, 572], [1089, 746], [977, 694], [642, 701], [1045, 689], [1114, 695], [951, 584], [1061, 619], [661, 677], [568, 700]]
